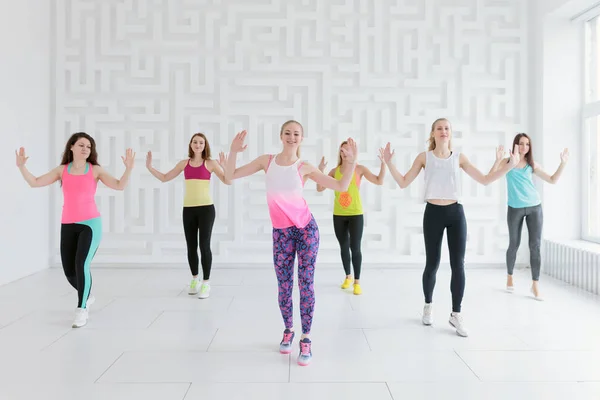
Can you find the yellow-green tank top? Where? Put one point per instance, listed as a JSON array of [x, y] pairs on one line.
[[348, 202]]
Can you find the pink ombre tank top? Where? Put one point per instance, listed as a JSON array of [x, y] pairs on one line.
[[78, 193], [285, 199]]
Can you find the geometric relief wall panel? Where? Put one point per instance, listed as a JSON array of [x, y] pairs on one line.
[[147, 74]]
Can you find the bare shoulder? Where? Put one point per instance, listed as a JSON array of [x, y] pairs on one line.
[[307, 168], [210, 164], [264, 160], [58, 171], [98, 170], [463, 159]]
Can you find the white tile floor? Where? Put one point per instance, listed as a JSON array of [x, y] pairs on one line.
[[147, 339]]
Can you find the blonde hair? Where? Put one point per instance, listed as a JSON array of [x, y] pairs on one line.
[[286, 123], [431, 139]]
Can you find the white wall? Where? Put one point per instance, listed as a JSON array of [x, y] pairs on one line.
[[557, 93], [24, 121], [149, 74]]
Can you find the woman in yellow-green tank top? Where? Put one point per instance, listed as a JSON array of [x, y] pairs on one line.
[[348, 218], [198, 208]]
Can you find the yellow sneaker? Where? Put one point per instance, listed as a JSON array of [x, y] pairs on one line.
[[347, 283], [357, 289]]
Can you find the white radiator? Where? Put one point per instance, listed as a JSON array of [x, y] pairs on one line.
[[573, 262]]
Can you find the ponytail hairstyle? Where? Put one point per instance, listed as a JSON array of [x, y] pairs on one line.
[[431, 139], [286, 123]]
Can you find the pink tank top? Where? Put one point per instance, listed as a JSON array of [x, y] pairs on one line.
[[285, 199], [78, 193], [200, 172]]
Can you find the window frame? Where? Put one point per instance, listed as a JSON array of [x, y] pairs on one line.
[[591, 109]]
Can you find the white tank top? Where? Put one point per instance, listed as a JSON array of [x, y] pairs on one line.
[[442, 177], [285, 186]]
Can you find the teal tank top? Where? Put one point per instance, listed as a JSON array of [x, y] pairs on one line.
[[520, 188]]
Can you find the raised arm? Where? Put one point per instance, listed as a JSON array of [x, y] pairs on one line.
[[322, 166], [485, 180], [237, 146], [112, 182], [402, 180], [361, 170], [328, 181], [217, 168], [35, 182], [537, 169], [500, 160], [172, 174], [321, 188]]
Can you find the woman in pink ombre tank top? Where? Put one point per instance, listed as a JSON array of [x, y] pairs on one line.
[[295, 231], [81, 225]]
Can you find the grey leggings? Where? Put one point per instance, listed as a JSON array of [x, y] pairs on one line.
[[535, 219]]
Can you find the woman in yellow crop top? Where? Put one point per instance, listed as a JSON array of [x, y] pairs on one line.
[[198, 208], [348, 218]]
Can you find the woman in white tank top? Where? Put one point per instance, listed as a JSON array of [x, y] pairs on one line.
[[444, 211]]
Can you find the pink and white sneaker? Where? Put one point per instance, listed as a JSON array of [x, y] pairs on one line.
[[305, 355], [285, 347]]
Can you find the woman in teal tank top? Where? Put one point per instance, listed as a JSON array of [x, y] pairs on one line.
[[524, 203], [348, 218]]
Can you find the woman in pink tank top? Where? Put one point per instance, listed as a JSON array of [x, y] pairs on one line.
[[295, 231], [81, 227], [198, 208]]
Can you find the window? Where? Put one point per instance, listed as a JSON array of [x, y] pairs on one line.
[[591, 134]]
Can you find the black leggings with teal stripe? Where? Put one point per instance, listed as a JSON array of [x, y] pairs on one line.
[[78, 244]]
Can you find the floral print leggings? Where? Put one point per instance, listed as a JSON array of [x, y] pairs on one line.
[[286, 243]]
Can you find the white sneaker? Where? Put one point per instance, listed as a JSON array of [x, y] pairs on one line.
[[193, 288], [538, 297], [427, 314], [91, 300], [457, 322], [204, 290], [81, 317]]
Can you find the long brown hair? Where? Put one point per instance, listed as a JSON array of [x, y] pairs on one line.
[[529, 155], [431, 139], [205, 153], [67, 155], [340, 152], [286, 123]]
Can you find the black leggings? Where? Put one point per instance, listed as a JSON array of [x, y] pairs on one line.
[[200, 218], [78, 245], [349, 230], [435, 220]]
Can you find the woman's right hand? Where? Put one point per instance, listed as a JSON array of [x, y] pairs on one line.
[[222, 160], [515, 157], [322, 164], [499, 153], [21, 158], [149, 160], [386, 153], [237, 146]]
